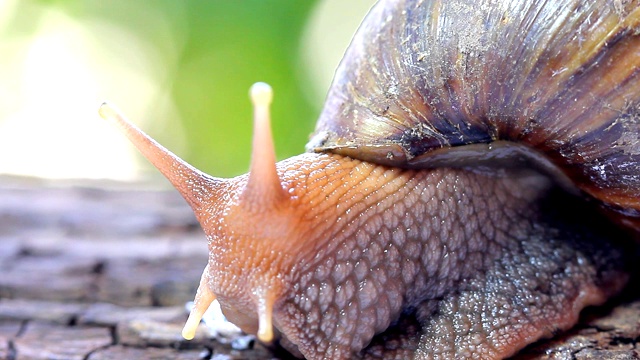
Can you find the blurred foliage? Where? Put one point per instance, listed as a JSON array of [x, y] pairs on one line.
[[209, 54], [246, 41]]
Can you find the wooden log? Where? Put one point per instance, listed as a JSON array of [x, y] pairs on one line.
[[101, 270]]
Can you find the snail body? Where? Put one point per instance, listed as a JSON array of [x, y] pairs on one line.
[[439, 211]]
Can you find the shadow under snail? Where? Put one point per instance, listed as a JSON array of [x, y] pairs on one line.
[[471, 177]]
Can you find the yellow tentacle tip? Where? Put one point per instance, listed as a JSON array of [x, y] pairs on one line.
[[265, 331], [189, 330], [204, 298], [106, 111], [265, 313], [261, 94]]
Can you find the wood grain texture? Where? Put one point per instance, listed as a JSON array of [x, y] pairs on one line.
[[76, 241]]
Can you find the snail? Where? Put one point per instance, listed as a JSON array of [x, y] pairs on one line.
[[469, 188]]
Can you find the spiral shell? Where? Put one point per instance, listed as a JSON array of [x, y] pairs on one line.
[[560, 77]]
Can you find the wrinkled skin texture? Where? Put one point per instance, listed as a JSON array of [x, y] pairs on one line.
[[464, 261], [477, 264]]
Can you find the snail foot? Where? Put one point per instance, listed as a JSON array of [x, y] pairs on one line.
[[535, 288]]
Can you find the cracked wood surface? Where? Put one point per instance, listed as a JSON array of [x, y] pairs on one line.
[[99, 271]]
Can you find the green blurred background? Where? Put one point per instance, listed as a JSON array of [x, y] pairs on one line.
[[179, 69]]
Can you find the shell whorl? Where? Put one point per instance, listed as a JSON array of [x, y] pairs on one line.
[[562, 77]]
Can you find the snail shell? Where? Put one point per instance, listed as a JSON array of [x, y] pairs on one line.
[[561, 77], [435, 222]]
